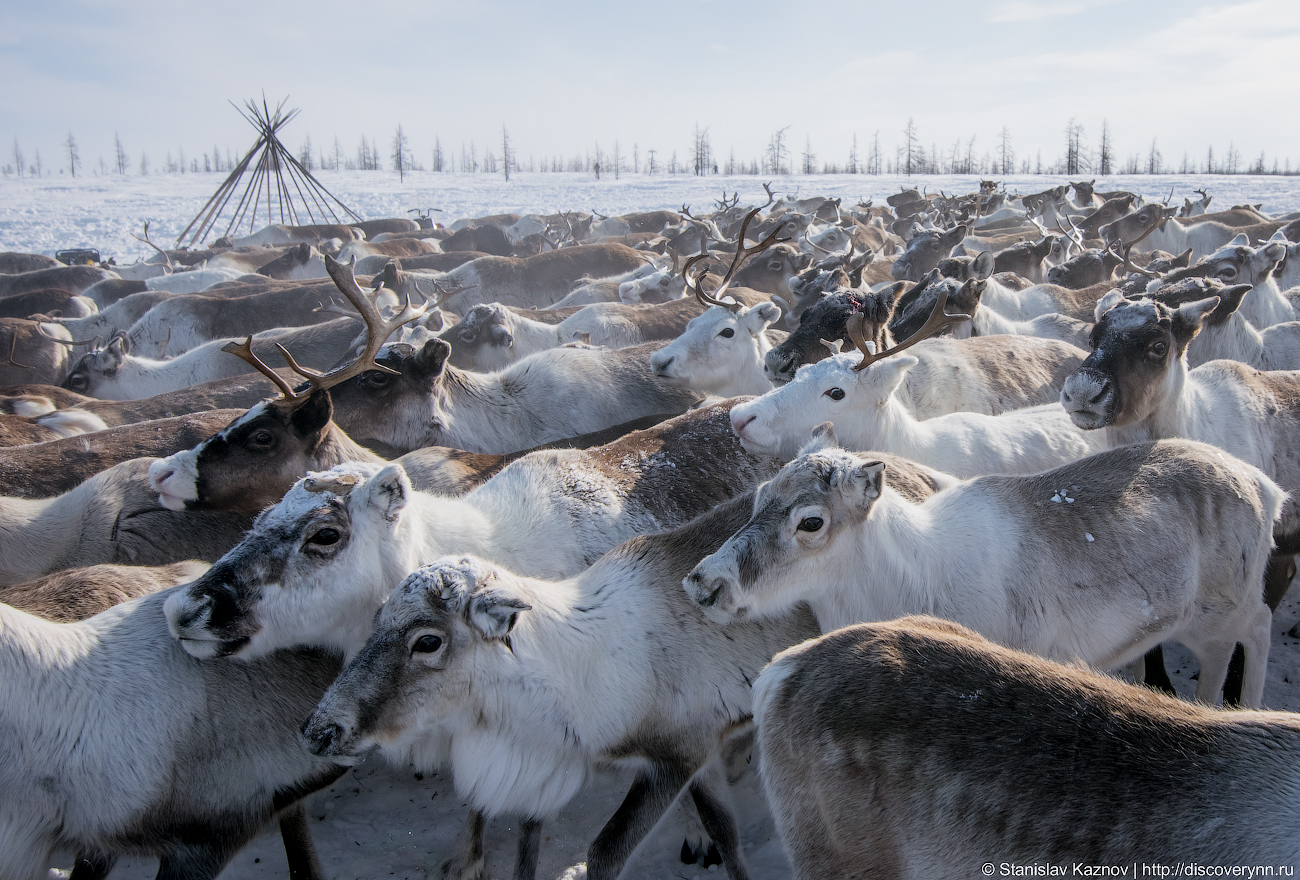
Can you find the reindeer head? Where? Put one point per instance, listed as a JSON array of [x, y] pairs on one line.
[[310, 572], [1137, 361], [805, 510], [439, 646]]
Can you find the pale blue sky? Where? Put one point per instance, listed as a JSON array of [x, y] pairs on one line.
[[565, 75]]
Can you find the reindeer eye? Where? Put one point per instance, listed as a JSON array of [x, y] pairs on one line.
[[426, 644], [726, 333], [263, 438], [465, 336], [325, 537], [77, 382], [376, 379], [810, 524], [1228, 272], [834, 394], [1159, 349]]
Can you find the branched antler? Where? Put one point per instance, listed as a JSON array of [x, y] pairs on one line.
[[742, 253], [938, 320], [377, 332], [1128, 248], [171, 267]]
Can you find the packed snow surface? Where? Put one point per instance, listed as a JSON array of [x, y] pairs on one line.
[[52, 213]]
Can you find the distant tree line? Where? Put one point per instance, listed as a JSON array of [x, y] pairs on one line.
[[909, 155]]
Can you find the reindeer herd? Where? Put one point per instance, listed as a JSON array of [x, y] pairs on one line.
[[530, 496]]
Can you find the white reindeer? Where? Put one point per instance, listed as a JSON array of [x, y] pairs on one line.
[[1099, 560]]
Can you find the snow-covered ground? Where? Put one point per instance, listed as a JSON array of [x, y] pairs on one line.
[[379, 821], [53, 213]]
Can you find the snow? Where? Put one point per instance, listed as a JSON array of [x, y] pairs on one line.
[[382, 821], [53, 213]]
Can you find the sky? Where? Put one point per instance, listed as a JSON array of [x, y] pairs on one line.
[[564, 77]]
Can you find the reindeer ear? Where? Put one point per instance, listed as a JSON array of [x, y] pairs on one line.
[[758, 318], [388, 491], [1231, 299], [434, 321], [313, 414], [860, 485], [433, 357], [1189, 317], [823, 437], [495, 614], [1106, 303], [982, 267], [1239, 240]]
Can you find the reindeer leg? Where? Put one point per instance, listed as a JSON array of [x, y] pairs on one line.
[[1277, 578], [720, 821], [1154, 673], [299, 849], [92, 866], [528, 849], [652, 792], [466, 862]]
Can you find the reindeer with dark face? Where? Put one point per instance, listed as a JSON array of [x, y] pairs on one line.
[[924, 252], [1136, 387]]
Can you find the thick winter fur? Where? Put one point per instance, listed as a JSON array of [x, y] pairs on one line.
[[928, 382], [868, 413], [115, 373], [1097, 561], [548, 396], [19, 430], [527, 686], [1134, 776], [185, 322], [537, 281], [33, 352], [78, 593], [493, 336], [43, 470], [117, 742], [549, 514], [112, 517]]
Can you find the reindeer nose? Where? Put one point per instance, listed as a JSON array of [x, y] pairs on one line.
[[738, 424], [661, 365], [322, 739]]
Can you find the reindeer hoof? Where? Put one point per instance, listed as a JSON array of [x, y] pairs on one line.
[[472, 871]]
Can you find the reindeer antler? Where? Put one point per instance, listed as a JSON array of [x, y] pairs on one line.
[[1128, 248], [938, 320], [171, 266], [742, 253], [377, 332], [771, 196]]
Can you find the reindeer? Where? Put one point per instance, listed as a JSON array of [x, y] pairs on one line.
[[627, 598], [52, 467], [170, 757], [1097, 572], [837, 719], [78, 593], [722, 350], [536, 281], [864, 399], [357, 528], [111, 517]]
